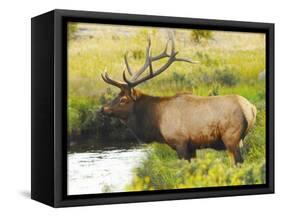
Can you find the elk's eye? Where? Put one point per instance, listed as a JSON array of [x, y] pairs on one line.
[[123, 101]]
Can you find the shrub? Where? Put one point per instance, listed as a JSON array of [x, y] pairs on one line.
[[182, 80], [137, 54], [72, 29], [205, 77], [207, 59], [178, 77], [254, 143], [73, 121], [106, 97], [226, 77], [199, 35], [215, 90], [86, 120]]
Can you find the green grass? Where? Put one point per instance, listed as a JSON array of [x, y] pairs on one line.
[[161, 169], [229, 63]]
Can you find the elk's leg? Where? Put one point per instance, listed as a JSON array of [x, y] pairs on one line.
[[184, 152], [192, 152], [236, 155], [232, 145]]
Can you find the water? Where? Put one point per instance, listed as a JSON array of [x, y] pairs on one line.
[[94, 169]]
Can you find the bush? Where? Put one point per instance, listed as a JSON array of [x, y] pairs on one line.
[[73, 121], [85, 120], [80, 115], [222, 76], [215, 90], [183, 80], [72, 29], [226, 77], [254, 143], [137, 54], [199, 35]]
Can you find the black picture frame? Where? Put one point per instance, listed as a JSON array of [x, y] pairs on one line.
[[49, 101]]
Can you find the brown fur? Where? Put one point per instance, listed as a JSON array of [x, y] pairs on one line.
[[187, 122]]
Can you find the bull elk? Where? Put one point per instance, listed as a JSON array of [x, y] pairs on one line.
[[185, 122]]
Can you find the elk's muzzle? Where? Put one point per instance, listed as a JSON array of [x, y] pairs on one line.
[[106, 110]]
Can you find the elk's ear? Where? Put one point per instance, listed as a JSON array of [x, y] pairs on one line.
[[134, 94]]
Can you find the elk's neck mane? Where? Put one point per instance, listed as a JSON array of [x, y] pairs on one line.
[[146, 117]]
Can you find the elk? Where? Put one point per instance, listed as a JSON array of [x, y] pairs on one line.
[[185, 122]]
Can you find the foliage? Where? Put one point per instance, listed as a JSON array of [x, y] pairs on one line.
[[254, 143], [71, 30], [163, 170], [85, 119], [200, 35], [215, 90], [226, 77]]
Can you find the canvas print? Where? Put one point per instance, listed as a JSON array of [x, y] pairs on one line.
[[154, 108]]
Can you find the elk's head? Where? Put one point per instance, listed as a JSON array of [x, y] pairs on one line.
[[122, 106]]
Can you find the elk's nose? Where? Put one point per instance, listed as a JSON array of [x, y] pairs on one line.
[[105, 110]]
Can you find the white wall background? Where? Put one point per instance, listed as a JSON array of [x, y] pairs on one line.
[[15, 106]]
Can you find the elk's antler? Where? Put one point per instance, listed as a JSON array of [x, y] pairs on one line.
[[109, 80], [148, 64], [135, 80]]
